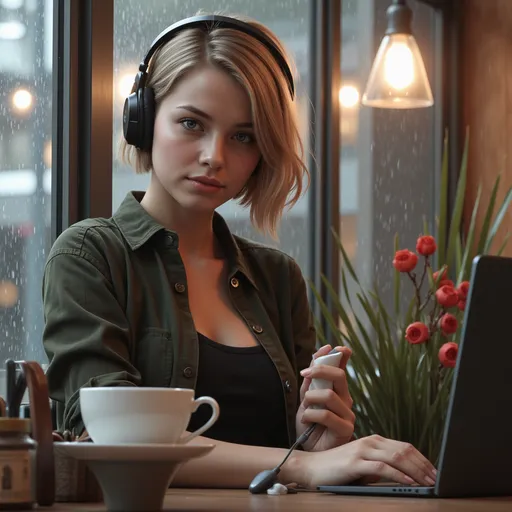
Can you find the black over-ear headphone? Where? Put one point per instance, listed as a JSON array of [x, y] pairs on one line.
[[139, 106]]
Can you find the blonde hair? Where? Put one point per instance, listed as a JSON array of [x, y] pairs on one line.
[[277, 182]]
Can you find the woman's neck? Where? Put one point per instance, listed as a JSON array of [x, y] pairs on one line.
[[194, 229]]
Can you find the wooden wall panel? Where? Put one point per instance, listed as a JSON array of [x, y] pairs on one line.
[[486, 89]]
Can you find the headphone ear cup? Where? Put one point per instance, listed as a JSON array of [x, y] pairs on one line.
[[139, 118], [131, 119], [148, 116]]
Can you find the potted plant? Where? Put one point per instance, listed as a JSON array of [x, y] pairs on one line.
[[400, 372]]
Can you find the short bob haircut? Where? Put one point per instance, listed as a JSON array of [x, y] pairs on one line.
[[277, 182]]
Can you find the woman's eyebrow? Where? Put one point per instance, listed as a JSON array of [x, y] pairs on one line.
[[198, 112]]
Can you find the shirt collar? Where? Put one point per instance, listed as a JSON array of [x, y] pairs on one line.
[[138, 228]]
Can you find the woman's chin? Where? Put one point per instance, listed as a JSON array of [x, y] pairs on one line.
[[199, 206]]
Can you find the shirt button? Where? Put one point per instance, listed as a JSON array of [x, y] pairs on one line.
[[288, 386], [257, 329], [188, 372], [179, 287], [235, 282], [169, 241]]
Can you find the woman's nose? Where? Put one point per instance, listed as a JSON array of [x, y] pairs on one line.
[[212, 154]]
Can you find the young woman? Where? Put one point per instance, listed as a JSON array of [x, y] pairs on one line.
[[162, 294]]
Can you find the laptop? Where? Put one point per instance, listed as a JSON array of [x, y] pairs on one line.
[[476, 451]]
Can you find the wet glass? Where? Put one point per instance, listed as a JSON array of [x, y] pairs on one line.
[[25, 172]]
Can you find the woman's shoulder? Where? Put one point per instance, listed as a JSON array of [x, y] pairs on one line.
[[266, 256], [93, 238]]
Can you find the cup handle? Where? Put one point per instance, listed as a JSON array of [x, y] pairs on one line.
[[215, 414]]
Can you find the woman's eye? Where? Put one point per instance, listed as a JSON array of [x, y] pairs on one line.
[[189, 124], [244, 138]]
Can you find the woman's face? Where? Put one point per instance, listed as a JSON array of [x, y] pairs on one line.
[[204, 147]]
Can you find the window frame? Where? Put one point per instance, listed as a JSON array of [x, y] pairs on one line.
[[83, 70]]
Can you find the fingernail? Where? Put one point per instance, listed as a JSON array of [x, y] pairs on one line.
[[429, 480], [306, 372], [321, 348], [434, 472], [409, 480]]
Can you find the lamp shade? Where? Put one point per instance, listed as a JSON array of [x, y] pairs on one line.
[[398, 78]]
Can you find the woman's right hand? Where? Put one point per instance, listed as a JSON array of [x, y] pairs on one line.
[[369, 459]]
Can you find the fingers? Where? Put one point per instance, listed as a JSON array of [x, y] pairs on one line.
[[307, 381], [383, 470], [322, 351], [420, 460], [340, 387], [347, 352], [326, 399], [402, 457], [304, 387], [336, 375], [424, 463], [341, 427], [346, 356], [402, 461]]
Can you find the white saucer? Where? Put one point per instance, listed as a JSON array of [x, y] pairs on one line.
[[134, 452], [133, 477]]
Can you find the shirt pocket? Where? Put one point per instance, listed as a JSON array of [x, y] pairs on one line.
[[154, 357]]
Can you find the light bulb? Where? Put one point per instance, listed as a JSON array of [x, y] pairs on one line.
[[12, 4], [398, 78], [125, 85], [9, 294], [12, 30], [349, 96], [399, 66], [22, 99]]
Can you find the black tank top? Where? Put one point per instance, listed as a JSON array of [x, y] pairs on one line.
[[246, 384]]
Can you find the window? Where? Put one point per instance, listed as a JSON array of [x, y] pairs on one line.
[[25, 172], [136, 24]]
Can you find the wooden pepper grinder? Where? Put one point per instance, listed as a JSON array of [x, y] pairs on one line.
[[18, 447]]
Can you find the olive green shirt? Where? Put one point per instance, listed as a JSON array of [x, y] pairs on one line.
[[117, 312]]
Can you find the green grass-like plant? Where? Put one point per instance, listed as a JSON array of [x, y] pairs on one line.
[[400, 386]]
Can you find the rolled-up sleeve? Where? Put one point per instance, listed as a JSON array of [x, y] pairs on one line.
[[86, 335]]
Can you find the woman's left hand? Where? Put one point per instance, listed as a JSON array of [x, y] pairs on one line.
[[335, 419]]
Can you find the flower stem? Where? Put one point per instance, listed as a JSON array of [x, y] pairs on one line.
[[427, 300], [433, 319], [425, 266], [412, 277]]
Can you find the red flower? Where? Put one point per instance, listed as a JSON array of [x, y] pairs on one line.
[[461, 305], [444, 274], [448, 354], [447, 296], [417, 333], [405, 260], [426, 245], [446, 282], [448, 323], [463, 290]]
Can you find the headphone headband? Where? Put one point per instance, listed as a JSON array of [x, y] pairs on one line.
[[209, 22]]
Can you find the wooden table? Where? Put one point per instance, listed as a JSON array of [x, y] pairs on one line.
[[198, 500]]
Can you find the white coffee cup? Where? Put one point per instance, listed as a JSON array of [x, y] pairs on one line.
[[141, 415]]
